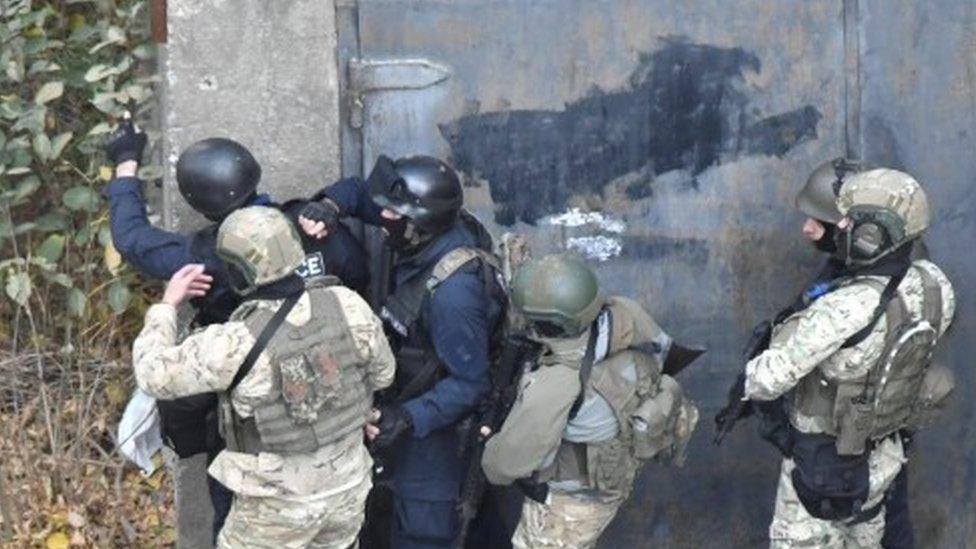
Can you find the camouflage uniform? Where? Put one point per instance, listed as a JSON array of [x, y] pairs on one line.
[[538, 436], [313, 499], [566, 520], [811, 340]]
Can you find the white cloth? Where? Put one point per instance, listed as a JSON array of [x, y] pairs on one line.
[[139, 433]]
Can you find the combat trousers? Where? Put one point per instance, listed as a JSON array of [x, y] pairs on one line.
[[793, 527], [330, 522], [567, 520]]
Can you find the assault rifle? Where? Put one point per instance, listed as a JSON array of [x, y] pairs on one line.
[[738, 407], [518, 355]]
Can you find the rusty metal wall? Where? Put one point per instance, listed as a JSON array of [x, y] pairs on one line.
[[687, 127], [918, 113]]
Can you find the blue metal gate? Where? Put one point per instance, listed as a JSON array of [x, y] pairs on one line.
[[665, 141]]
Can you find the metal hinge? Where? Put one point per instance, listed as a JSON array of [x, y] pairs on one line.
[[371, 75]]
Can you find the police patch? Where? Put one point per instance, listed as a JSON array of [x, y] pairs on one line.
[[312, 266]]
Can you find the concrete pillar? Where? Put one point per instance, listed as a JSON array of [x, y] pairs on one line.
[[262, 73]]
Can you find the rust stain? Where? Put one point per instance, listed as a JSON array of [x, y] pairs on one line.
[[157, 21]]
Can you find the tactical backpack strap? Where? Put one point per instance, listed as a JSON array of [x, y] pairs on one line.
[[401, 309], [492, 278], [263, 339], [586, 367], [889, 292], [454, 260]]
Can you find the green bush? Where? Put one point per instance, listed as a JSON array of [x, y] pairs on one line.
[[69, 68]]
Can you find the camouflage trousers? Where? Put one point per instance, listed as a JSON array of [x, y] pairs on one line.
[[275, 523], [793, 527], [567, 520]]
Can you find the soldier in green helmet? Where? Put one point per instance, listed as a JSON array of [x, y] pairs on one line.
[[295, 368], [599, 402]]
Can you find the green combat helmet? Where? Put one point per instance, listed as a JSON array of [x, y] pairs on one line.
[[818, 198], [887, 208], [259, 246], [558, 294]]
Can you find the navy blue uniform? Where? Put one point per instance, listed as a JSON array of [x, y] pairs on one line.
[[456, 320], [190, 423], [158, 253]]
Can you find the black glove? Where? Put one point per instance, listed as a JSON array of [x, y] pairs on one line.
[[734, 410], [533, 489], [395, 424], [325, 212], [125, 143]]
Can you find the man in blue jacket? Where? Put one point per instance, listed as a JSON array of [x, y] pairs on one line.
[[441, 316], [216, 176]]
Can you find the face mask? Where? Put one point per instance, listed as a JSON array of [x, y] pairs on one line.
[[401, 234], [828, 242]]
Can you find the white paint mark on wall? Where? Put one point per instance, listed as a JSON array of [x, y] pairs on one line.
[[575, 217], [599, 248]]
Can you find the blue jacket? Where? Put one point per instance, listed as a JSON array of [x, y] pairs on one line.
[[159, 253], [458, 318]]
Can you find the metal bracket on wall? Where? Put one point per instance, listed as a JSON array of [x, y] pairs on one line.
[[371, 75]]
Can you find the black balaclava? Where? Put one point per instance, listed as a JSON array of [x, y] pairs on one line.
[[828, 242], [403, 236]]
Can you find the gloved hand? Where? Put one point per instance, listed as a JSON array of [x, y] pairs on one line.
[[395, 423], [126, 142], [318, 218]]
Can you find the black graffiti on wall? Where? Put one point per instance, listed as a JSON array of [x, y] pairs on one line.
[[685, 107]]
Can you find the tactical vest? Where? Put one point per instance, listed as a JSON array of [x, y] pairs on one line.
[[418, 366], [323, 393], [655, 421], [898, 392]]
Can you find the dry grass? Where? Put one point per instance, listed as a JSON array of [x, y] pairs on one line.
[[62, 484]]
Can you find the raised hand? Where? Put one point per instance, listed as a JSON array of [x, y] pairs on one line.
[[318, 218], [126, 142], [190, 281]]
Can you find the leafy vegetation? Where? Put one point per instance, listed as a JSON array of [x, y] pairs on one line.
[[70, 306], [68, 69]]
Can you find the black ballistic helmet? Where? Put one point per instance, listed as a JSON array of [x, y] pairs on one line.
[[217, 176], [423, 189]]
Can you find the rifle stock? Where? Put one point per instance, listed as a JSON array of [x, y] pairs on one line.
[[518, 354]]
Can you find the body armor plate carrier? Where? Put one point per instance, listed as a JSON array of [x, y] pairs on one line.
[[324, 394], [418, 366], [893, 394]]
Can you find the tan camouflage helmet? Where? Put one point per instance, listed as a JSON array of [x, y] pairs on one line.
[[259, 246], [891, 198], [818, 197]]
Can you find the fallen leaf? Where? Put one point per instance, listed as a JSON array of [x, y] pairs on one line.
[[57, 540], [113, 259]]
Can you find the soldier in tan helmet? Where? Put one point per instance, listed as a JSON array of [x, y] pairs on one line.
[[295, 367], [599, 403], [854, 357]]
